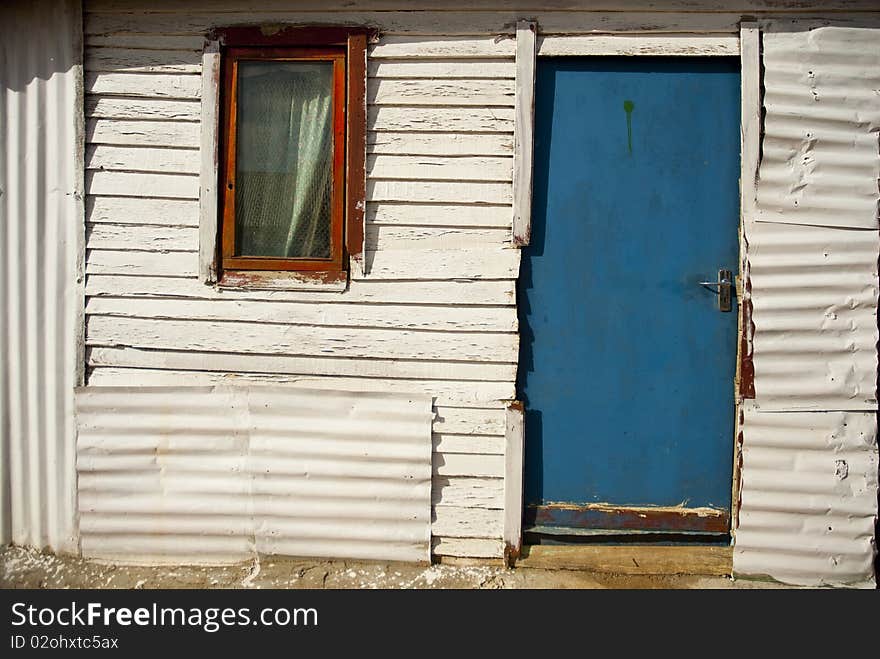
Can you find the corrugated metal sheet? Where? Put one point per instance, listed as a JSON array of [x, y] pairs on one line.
[[809, 476], [40, 218], [809, 497], [213, 474]]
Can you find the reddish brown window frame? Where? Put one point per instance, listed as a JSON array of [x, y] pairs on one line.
[[349, 185]]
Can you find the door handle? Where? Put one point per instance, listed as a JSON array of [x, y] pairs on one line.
[[724, 286]]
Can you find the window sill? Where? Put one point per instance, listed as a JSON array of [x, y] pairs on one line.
[[336, 281]]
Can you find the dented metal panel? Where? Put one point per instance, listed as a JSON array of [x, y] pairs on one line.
[[809, 497], [215, 474], [41, 217], [809, 438]]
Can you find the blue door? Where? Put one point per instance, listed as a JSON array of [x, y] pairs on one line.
[[627, 360]]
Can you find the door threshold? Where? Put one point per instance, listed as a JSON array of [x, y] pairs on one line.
[[630, 559]]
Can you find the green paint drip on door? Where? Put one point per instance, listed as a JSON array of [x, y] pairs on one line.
[[628, 108]]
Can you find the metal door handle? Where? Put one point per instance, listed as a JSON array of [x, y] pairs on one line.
[[724, 285]]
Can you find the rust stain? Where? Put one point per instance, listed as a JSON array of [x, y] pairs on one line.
[[747, 365]]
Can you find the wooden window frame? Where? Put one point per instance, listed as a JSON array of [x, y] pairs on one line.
[[351, 42], [230, 259]]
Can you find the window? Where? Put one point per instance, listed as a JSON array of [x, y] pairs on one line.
[[291, 170]]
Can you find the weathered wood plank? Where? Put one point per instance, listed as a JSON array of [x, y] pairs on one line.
[[112, 107], [440, 168], [641, 44], [439, 191], [481, 444], [141, 237], [486, 493], [460, 292], [209, 170], [463, 23], [444, 120], [474, 5], [437, 92], [270, 339], [631, 559], [142, 159], [501, 71], [463, 215], [193, 42], [143, 133], [142, 210], [416, 238], [169, 264], [390, 47], [523, 133], [428, 264], [160, 85], [445, 392], [124, 60], [440, 144], [469, 421], [308, 366], [451, 548], [485, 263], [136, 184], [340, 314], [457, 522], [469, 464], [514, 461]]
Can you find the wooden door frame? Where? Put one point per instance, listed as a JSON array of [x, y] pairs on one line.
[[530, 45]]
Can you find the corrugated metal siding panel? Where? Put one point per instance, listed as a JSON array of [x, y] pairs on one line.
[[809, 472], [40, 216], [217, 474], [809, 497]]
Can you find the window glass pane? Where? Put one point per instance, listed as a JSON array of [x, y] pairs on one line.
[[284, 159]]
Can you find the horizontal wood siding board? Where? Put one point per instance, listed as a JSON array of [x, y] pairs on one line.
[[142, 159], [447, 143], [142, 133], [466, 393], [440, 168], [440, 119], [162, 85], [270, 339], [456, 215], [127, 357], [146, 109], [464, 23], [494, 72], [437, 92], [461, 292], [142, 210], [343, 314], [485, 493]]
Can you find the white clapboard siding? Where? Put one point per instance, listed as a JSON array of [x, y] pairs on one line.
[[462, 292], [110, 107], [272, 339], [454, 393], [125, 60], [160, 85], [496, 72], [417, 237], [440, 144], [433, 313], [341, 314], [125, 357], [421, 23], [140, 237], [136, 184], [142, 133], [468, 492], [439, 191], [441, 46], [460, 119], [142, 159], [434, 168], [482, 93], [463, 215], [483, 444], [142, 210]]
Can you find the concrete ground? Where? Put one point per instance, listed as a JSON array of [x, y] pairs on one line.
[[25, 568]]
